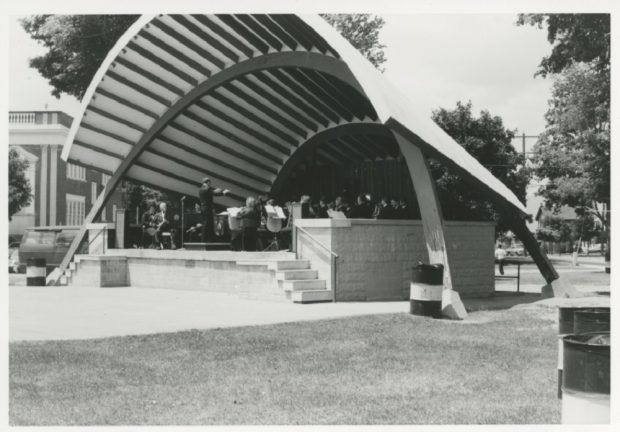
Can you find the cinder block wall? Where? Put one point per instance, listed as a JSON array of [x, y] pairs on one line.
[[376, 256]]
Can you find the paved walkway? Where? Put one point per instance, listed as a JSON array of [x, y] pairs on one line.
[[44, 313]]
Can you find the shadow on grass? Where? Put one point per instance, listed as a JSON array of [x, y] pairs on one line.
[[500, 300]]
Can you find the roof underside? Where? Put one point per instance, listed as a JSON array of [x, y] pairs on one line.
[[233, 97]]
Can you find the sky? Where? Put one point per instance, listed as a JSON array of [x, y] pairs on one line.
[[436, 58]]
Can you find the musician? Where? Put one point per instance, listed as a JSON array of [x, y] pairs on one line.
[[162, 223], [148, 221], [362, 209], [250, 214], [206, 194]]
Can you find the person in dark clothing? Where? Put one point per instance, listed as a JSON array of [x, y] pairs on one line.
[[250, 214], [340, 205], [321, 208], [362, 209], [385, 210], [148, 221], [206, 194], [404, 211]]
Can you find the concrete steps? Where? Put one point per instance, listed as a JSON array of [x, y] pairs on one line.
[[301, 274], [292, 279]]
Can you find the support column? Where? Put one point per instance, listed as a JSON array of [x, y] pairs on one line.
[[43, 183], [432, 222]]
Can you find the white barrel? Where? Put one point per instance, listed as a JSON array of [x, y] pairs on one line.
[[584, 408]]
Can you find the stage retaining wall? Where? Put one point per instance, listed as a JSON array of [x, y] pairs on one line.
[[376, 256]]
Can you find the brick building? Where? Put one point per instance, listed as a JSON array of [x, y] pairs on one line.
[[63, 193]]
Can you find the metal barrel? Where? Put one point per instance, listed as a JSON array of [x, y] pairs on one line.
[[591, 320], [426, 290], [35, 272], [566, 319], [586, 379]]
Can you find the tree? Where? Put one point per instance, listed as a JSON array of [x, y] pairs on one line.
[[487, 140], [20, 190], [575, 38], [77, 45], [573, 153], [362, 31]]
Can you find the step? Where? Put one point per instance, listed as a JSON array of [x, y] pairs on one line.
[[289, 265], [64, 280], [72, 265], [311, 296], [303, 285], [297, 274]]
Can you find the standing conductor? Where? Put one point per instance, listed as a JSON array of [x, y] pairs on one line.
[[206, 194]]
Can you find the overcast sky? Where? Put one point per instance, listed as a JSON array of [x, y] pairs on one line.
[[436, 58]]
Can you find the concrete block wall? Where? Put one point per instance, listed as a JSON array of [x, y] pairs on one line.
[[376, 256]]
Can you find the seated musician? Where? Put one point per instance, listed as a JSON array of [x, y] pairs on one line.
[[162, 224], [250, 214], [148, 224]]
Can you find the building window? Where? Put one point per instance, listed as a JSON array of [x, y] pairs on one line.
[[75, 172], [76, 209], [104, 179], [113, 212]]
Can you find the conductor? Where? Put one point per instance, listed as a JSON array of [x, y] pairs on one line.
[[206, 194]]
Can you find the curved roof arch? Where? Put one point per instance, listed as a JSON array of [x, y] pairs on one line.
[[237, 98]]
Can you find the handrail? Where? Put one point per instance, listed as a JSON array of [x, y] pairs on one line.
[[334, 256], [316, 241]]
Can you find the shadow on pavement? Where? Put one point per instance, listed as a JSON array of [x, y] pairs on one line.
[[500, 300]]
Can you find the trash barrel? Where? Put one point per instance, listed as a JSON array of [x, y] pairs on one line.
[[566, 327], [426, 290], [35, 272], [591, 320], [586, 379], [608, 261]]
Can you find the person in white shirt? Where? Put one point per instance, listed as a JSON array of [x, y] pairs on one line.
[[500, 255]]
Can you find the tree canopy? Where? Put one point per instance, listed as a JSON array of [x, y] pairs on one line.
[[362, 31], [575, 38], [20, 189], [76, 46], [573, 153], [487, 139]]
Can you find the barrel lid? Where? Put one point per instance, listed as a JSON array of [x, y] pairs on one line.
[[594, 339]]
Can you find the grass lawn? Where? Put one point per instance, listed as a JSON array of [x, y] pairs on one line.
[[495, 367]]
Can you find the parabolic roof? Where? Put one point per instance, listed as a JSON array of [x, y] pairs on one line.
[[243, 99]]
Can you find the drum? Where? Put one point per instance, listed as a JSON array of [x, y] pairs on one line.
[[274, 224], [151, 231]]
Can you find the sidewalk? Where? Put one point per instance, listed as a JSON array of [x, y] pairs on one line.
[[48, 313]]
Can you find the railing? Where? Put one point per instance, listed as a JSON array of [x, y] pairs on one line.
[[333, 255], [16, 117]]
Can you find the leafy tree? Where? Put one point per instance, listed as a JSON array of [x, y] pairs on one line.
[[362, 31], [486, 139], [77, 45], [575, 38], [573, 153], [20, 190]]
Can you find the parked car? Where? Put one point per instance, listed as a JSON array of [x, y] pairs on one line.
[[14, 257], [51, 243]]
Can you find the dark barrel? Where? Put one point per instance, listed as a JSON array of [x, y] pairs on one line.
[[35, 272], [586, 380], [592, 320], [566, 319], [426, 290]]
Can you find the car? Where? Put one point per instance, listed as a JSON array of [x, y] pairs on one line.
[[51, 243]]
